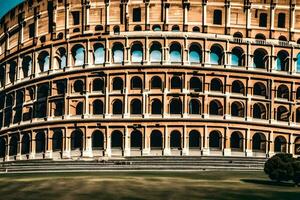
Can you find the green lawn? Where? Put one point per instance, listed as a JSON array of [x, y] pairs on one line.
[[145, 185]]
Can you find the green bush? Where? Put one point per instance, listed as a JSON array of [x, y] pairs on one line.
[[296, 178], [280, 167]]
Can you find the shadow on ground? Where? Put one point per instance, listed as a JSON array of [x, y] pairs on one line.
[[268, 182]]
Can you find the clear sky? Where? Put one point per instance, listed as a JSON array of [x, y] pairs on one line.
[[7, 5]]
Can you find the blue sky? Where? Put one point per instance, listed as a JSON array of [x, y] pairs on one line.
[[7, 5]]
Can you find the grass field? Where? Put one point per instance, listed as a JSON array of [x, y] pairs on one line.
[[145, 185]]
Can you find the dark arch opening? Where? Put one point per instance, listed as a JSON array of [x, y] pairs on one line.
[[57, 141], [97, 140], [236, 141], [118, 107], [25, 144], [136, 106], [216, 85], [215, 140], [136, 139], [280, 144], [40, 141], [259, 142], [215, 108], [156, 82], [175, 140], [117, 83], [116, 140], [156, 107], [98, 107], [194, 139], [76, 140], [156, 140], [175, 106]]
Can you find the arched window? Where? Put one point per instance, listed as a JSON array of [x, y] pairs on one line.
[[59, 108], [217, 17], [196, 84], [194, 107], [99, 54], [175, 140], [237, 87], [175, 52], [175, 106], [25, 144], [195, 53], [78, 53], [2, 147], [116, 140], [97, 140], [298, 115], [281, 20], [259, 142], [216, 85], [117, 83], [98, 85], [216, 55], [137, 28], [118, 53], [236, 141], [156, 141], [40, 142], [194, 139], [136, 107], [176, 82], [298, 63], [116, 30], [260, 59], [297, 146], [155, 52], [215, 108], [298, 93], [76, 140], [99, 28], [43, 91], [156, 28], [2, 76], [137, 52], [283, 92], [196, 29], [12, 71], [263, 18], [26, 66], [43, 60], [79, 108], [215, 140], [57, 143], [280, 144], [61, 58], [156, 106], [78, 86], [98, 107], [136, 139], [283, 114], [259, 89], [237, 109], [259, 37], [136, 83], [156, 82], [282, 61], [238, 35], [237, 57], [13, 145], [259, 111], [175, 28], [117, 107]]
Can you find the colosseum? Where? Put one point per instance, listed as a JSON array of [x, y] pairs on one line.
[[119, 78]]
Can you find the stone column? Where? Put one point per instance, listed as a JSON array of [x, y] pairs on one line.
[[185, 150], [127, 142], [205, 151], [167, 149], [248, 148]]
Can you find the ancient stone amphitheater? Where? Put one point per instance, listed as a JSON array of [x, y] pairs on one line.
[[152, 78]]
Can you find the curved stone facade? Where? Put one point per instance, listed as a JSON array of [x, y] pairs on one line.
[[97, 78]]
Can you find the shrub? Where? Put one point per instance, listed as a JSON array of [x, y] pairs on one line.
[[296, 178], [280, 167]]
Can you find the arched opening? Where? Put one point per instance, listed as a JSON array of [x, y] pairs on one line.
[[136, 139], [156, 82], [175, 106], [176, 82], [137, 52], [117, 107], [77, 140], [26, 66], [237, 109], [98, 107], [237, 87], [136, 83], [238, 35], [260, 59], [175, 28], [155, 52], [298, 63], [156, 141], [78, 53], [282, 38], [283, 92], [43, 60], [156, 107], [40, 141], [116, 140], [259, 89], [118, 53], [216, 85], [13, 145], [79, 108], [2, 147], [298, 114], [175, 52], [259, 142], [215, 108], [281, 20], [216, 55], [12, 71], [280, 144], [136, 107], [78, 86], [297, 146], [57, 140], [175, 140], [236, 141], [116, 30], [283, 114], [156, 28], [117, 83], [215, 140], [196, 84], [99, 54], [98, 85], [194, 107], [137, 28], [98, 28], [237, 57], [25, 144], [97, 140], [259, 111], [195, 53], [196, 29], [282, 61], [2, 76], [61, 58], [260, 36], [194, 139]]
